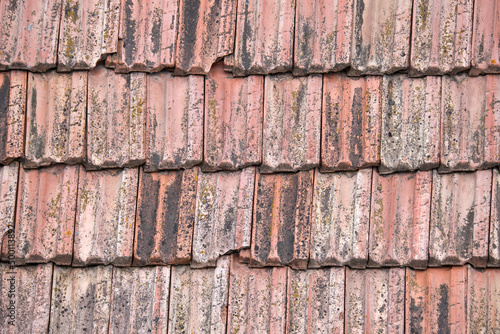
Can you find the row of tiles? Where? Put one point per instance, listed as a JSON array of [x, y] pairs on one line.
[[255, 37], [70, 216], [280, 122], [233, 298]]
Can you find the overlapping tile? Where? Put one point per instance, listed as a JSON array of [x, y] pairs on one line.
[[494, 242], [8, 192], [485, 51], [483, 301]]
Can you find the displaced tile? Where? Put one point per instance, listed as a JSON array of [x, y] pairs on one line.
[[233, 120], [29, 34], [116, 119], [375, 301], [381, 36], [315, 301], [282, 219], [323, 32], [244, 255], [264, 37], [165, 217], [80, 300], [198, 299], [399, 220], [174, 122], [206, 34], [483, 301], [292, 123], [441, 36], [460, 217], [494, 242], [351, 120], [45, 218], [8, 192], [105, 217], [139, 300], [485, 51], [257, 299], [411, 118], [341, 219], [89, 31], [56, 118]]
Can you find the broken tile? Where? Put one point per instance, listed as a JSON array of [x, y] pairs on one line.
[[292, 123], [485, 51], [165, 217], [282, 219], [8, 192], [105, 217], [411, 118], [494, 242], [45, 220], [341, 219], [483, 301], [351, 120], [233, 120], [56, 118], [116, 119], [460, 217]]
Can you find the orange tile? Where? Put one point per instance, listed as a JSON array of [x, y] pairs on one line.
[[485, 51]]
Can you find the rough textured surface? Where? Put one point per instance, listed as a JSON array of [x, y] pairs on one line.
[[483, 301], [485, 51], [494, 242], [8, 192]]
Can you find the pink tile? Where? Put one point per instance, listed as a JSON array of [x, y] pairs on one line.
[[483, 301], [485, 51], [8, 192], [494, 242]]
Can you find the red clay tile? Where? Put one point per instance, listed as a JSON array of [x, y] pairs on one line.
[[165, 217], [89, 31], [375, 301], [264, 37], [206, 33], [399, 220], [139, 300], [257, 299], [233, 120], [436, 300], [292, 123], [8, 192], [223, 221], [411, 117], [174, 122], [45, 218], [105, 217], [341, 219], [56, 118], [81, 300], [441, 36], [282, 219], [483, 301], [460, 217], [351, 121], [494, 242], [116, 119], [485, 51], [323, 31], [381, 36], [29, 34]]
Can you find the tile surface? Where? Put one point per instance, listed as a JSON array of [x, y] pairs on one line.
[[485, 51]]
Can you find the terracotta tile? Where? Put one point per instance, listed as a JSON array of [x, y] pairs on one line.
[[441, 36], [257, 299], [89, 31], [292, 123], [29, 289], [281, 220], [165, 217], [323, 32], [341, 219], [375, 301], [105, 217], [45, 218], [436, 300], [351, 121], [264, 37], [485, 51], [494, 242], [223, 220], [381, 36], [411, 117], [198, 299], [139, 300], [483, 301], [81, 299], [56, 118], [233, 120], [29, 34], [116, 119], [460, 218], [315, 301], [399, 220], [8, 192], [206, 33], [174, 125]]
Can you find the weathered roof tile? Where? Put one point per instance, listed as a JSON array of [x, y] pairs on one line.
[[8, 191], [485, 51], [494, 242], [483, 301]]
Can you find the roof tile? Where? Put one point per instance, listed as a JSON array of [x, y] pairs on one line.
[[485, 51], [494, 242], [483, 296], [8, 191]]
